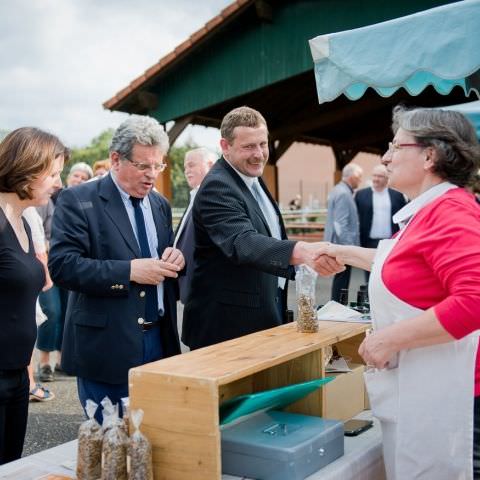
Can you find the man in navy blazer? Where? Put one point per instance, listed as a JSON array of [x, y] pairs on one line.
[[242, 255], [111, 247], [376, 206]]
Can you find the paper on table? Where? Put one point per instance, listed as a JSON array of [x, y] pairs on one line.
[[337, 312]]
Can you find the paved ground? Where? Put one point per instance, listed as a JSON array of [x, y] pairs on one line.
[[55, 422]]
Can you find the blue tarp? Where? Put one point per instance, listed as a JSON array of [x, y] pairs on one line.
[[439, 47], [471, 110]]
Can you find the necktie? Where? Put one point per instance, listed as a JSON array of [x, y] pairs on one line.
[[270, 216], [267, 209], [151, 299]]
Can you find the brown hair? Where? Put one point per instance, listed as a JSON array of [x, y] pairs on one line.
[[240, 117], [101, 164], [25, 154]]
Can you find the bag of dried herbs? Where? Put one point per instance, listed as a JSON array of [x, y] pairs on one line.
[[89, 456], [115, 443], [139, 451], [305, 281]]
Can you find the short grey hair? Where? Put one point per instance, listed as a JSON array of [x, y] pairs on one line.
[[138, 129], [206, 155], [82, 167], [351, 169], [452, 136]]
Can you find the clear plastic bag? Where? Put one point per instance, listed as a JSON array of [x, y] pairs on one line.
[[89, 456], [115, 443], [305, 282], [139, 451]]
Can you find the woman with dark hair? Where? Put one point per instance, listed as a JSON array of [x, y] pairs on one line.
[[425, 302], [30, 165]]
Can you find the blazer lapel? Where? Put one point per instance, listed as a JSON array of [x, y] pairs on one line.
[[161, 225], [115, 209]]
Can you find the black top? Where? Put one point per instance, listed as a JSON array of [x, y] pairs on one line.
[[22, 277]]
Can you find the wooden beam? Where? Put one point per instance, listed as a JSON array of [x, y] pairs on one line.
[[178, 128]]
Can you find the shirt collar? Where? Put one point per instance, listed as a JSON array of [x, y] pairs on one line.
[[410, 209], [249, 181], [125, 196]]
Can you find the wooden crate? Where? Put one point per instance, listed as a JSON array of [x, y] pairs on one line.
[[181, 395]]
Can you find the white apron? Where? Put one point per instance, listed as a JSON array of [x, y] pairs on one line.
[[425, 405]]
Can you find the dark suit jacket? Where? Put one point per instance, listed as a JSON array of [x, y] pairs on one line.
[[92, 245], [237, 262], [364, 201], [186, 243]]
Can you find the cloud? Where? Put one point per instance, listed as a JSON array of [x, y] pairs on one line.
[[61, 59]]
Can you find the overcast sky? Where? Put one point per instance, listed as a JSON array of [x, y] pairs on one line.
[[61, 59]]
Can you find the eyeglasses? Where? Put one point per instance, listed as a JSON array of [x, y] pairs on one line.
[[393, 147], [158, 167]]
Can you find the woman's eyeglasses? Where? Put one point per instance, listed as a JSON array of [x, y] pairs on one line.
[[393, 146]]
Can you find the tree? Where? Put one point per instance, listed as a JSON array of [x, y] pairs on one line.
[[97, 150], [180, 189]]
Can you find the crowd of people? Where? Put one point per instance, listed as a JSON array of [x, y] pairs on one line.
[[107, 269]]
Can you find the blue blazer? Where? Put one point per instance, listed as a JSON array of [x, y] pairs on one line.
[[364, 201], [91, 248]]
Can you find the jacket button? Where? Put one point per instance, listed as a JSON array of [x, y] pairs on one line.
[[141, 321], [142, 294]]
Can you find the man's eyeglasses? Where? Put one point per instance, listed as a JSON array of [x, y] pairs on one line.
[[158, 167], [393, 146]]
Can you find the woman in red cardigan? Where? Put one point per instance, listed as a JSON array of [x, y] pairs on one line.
[[422, 377]]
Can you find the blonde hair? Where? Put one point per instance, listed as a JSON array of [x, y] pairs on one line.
[[101, 164], [25, 154]]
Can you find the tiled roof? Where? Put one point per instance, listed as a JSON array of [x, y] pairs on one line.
[[181, 50]]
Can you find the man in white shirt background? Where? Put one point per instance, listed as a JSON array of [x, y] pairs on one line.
[[197, 163], [376, 206]]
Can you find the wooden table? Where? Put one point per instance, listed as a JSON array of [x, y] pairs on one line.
[[181, 395], [362, 461]]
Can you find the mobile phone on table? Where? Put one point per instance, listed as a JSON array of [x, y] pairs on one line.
[[355, 427]]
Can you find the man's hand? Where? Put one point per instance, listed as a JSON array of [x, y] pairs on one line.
[[315, 256], [151, 271], [175, 256]]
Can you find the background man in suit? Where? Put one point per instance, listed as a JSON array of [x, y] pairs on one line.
[[376, 206], [111, 248], [242, 256], [342, 220], [197, 163]]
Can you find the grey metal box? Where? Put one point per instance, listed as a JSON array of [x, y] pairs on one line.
[[278, 445]]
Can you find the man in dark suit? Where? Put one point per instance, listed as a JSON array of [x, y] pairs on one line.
[[197, 163], [242, 256], [111, 248], [376, 207]]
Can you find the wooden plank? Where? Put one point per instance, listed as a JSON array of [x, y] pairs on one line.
[[235, 359], [181, 421]]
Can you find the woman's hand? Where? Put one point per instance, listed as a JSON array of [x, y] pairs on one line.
[[378, 349]]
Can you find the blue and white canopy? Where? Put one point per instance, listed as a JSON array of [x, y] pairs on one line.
[[438, 47]]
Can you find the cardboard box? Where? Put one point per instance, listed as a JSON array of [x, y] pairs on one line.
[[345, 396]]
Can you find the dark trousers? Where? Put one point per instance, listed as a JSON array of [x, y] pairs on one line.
[[370, 243], [476, 439], [97, 391], [340, 280], [14, 393]]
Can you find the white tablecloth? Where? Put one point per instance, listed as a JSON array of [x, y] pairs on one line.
[[363, 460]]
